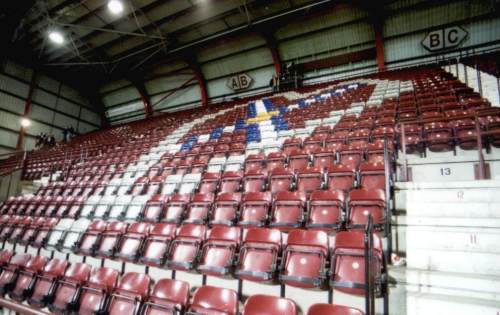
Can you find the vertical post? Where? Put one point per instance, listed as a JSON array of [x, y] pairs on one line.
[[379, 45], [27, 108], [403, 148], [479, 83], [482, 174], [388, 199], [466, 75]]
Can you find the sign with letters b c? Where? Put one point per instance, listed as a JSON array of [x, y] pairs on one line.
[[444, 38]]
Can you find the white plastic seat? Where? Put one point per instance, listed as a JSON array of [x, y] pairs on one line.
[[73, 234], [190, 183], [102, 208], [135, 207], [170, 184], [118, 208], [90, 205], [216, 164], [234, 163]]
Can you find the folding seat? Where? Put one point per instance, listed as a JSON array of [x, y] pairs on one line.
[[275, 159], [363, 202], [184, 249], [221, 150], [89, 206], [9, 273], [216, 164], [117, 210], [288, 210], [40, 210], [465, 134], [305, 246], [372, 175], [190, 183], [54, 235], [139, 186], [309, 179], [31, 231], [171, 184], [326, 208], [255, 181], [254, 210], [209, 183], [199, 208], [330, 309], [5, 256], [199, 165], [230, 182], [101, 186], [254, 162], [358, 138], [323, 158], [413, 138], [168, 169], [110, 239], [34, 203], [87, 242], [183, 167], [234, 163], [19, 229], [348, 263], [130, 243], [298, 159], [225, 209], [131, 291], [155, 249], [208, 300], [92, 296], [335, 141], [219, 252], [154, 208], [237, 148], [350, 156], [25, 277], [167, 297], [260, 304], [313, 143], [112, 187], [292, 144], [281, 179], [175, 208], [102, 208], [135, 208], [383, 133], [439, 137]]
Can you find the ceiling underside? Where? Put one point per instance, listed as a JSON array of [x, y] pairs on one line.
[[98, 42]]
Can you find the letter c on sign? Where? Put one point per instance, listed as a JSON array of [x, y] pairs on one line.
[[452, 36]]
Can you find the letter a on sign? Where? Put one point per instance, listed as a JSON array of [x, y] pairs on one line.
[[444, 38], [239, 82]]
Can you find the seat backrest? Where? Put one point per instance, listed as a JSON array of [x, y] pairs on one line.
[[263, 235], [36, 264], [269, 305], [134, 284], [213, 298], [196, 231], [19, 260], [170, 290], [224, 233], [312, 238], [55, 267], [330, 309], [163, 229], [103, 278]]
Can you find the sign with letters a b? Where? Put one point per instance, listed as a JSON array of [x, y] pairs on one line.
[[239, 82], [444, 38]]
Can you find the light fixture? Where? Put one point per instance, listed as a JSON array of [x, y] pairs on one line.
[[115, 6], [56, 37], [25, 122]]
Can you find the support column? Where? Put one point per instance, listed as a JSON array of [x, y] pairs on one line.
[[27, 108], [146, 101], [200, 79], [379, 44], [273, 48]]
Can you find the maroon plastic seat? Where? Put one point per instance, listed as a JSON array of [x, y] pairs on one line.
[[41, 235], [330, 309], [372, 175], [291, 144], [341, 177], [110, 239], [154, 185], [156, 245], [45, 282], [413, 138], [185, 248], [348, 262], [167, 298], [31, 230], [335, 141], [323, 158], [260, 304], [8, 274], [254, 162], [351, 156], [439, 137], [25, 276], [139, 186], [231, 182], [86, 244], [305, 258], [219, 251], [132, 290], [325, 210], [254, 209], [93, 294], [313, 143], [274, 160], [259, 254], [288, 210], [208, 300], [364, 202], [199, 208], [309, 179], [130, 244], [19, 229], [5, 256], [298, 159], [209, 183], [358, 138], [281, 179], [175, 208], [183, 167], [465, 134], [68, 287], [154, 208], [254, 181], [225, 209]]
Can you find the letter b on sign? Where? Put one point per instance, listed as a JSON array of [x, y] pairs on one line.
[[444, 38]]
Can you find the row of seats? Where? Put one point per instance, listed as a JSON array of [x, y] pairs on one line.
[[62, 288], [319, 209]]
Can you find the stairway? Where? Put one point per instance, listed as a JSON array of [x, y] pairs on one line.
[[449, 233]]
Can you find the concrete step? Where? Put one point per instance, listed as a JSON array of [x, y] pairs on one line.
[[436, 304]]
